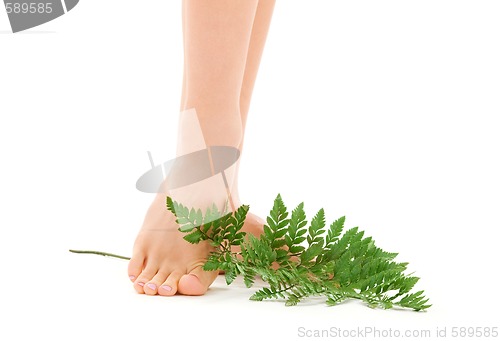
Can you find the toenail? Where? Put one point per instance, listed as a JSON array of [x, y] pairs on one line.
[[167, 287], [140, 284], [131, 277], [152, 286]]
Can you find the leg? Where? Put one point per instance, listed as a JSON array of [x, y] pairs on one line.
[[257, 42], [217, 35], [260, 29]]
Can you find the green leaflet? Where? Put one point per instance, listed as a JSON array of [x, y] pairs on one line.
[[299, 260]]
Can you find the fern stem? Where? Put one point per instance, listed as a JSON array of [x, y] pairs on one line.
[[100, 253], [206, 235], [286, 289]]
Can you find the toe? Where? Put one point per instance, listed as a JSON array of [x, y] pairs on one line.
[[151, 287], [146, 275], [196, 282], [135, 266], [169, 287]]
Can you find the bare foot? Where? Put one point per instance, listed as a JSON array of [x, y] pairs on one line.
[[164, 263]]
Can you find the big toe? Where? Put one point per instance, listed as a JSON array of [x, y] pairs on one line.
[[196, 282]]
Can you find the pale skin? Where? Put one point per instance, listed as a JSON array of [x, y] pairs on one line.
[[223, 45]]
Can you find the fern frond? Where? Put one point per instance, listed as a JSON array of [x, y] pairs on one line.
[[299, 261]]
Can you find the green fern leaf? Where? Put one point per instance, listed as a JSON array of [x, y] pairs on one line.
[[298, 261]]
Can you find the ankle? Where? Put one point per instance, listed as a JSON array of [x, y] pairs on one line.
[[199, 129]]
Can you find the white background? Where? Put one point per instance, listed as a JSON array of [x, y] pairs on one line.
[[382, 111]]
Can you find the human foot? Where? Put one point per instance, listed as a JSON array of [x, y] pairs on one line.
[[164, 263]]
